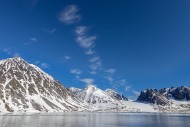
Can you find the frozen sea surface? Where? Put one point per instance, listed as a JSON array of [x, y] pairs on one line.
[[94, 120]]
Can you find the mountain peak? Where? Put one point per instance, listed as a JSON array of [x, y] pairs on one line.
[[75, 90], [115, 95], [107, 90], [91, 86], [36, 90], [14, 60], [17, 58]]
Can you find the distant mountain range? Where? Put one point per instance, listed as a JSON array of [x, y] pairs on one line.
[[162, 96], [26, 88]]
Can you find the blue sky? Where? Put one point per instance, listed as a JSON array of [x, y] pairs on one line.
[[126, 45]]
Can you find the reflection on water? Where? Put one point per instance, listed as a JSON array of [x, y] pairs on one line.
[[95, 120]]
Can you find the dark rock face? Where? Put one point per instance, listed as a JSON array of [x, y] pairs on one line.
[[153, 96], [181, 93], [124, 98], [162, 96]]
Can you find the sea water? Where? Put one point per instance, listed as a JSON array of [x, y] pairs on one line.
[[81, 119]]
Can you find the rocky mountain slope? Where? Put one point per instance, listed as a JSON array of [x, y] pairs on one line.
[[162, 96], [115, 95], [25, 87], [168, 99], [153, 96]]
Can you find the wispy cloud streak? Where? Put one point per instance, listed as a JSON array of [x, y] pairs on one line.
[[31, 41], [70, 15], [83, 39], [50, 30], [11, 51], [75, 71], [44, 65], [110, 71], [87, 81]]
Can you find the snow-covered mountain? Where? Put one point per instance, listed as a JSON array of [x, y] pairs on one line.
[[92, 94], [74, 90], [115, 95], [153, 96], [99, 99], [168, 99], [150, 100], [109, 100], [25, 87], [162, 96]]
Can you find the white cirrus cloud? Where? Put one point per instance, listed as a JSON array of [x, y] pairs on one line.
[[124, 83], [88, 81], [137, 93], [75, 71], [93, 72], [83, 39], [70, 15], [111, 70], [81, 30], [96, 65], [36, 62], [110, 79], [31, 41], [94, 59], [12, 52], [89, 52], [16, 54], [118, 83], [66, 58], [50, 30], [86, 41], [127, 88], [44, 65]]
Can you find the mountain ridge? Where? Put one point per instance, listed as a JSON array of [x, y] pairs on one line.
[[25, 87], [181, 93]]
